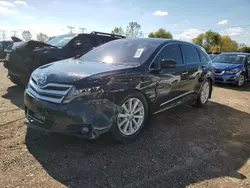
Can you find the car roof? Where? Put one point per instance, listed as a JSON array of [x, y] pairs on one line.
[[237, 53], [159, 40]]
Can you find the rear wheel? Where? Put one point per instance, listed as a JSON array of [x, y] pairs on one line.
[[204, 94], [131, 120]]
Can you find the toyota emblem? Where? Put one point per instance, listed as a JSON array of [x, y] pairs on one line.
[[42, 80]]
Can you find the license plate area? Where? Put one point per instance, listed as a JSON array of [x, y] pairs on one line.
[[37, 116]]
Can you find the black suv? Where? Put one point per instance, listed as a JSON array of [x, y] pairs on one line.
[[3, 46], [24, 57], [115, 86]]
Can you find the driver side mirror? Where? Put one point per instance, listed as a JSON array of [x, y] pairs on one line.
[[168, 63], [77, 45]]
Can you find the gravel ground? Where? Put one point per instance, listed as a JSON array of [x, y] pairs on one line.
[[182, 147]]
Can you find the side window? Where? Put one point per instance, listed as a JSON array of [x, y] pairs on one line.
[[102, 39], [190, 54], [86, 42], [171, 51], [203, 55]]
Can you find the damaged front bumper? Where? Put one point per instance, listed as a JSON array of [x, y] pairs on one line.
[[84, 118]]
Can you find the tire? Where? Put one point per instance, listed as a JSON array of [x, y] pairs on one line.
[[118, 129], [241, 80], [204, 92], [15, 80]]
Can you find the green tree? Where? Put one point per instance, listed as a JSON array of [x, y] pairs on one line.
[[161, 33], [228, 45], [210, 41], [134, 30], [245, 49], [42, 37], [26, 35], [199, 40], [118, 31]]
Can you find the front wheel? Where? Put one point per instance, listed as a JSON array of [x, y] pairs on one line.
[[14, 79], [131, 120], [204, 94], [241, 80]]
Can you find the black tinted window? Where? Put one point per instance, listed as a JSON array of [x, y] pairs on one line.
[[203, 55], [190, 54], [102, 39], [86, 42], [171, 51]]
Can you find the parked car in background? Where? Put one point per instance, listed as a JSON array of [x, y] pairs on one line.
[[3, 46], [114, 87], [212, 55], [232, 68], [24, 57]]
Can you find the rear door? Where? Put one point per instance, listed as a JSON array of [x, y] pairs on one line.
[[172, 81], [195, 66]]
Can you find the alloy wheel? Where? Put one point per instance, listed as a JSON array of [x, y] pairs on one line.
[[241, 80], [131, 119], [205, 92]]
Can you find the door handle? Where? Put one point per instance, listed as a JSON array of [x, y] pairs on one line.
[[184, 73]]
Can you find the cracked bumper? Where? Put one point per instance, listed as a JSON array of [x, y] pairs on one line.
[[87, 119]]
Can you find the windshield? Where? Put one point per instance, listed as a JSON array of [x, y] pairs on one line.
[[61, 41], [123, 51], [229, 58]]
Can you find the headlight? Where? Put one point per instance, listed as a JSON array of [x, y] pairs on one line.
[[74, 93], [233, 71]]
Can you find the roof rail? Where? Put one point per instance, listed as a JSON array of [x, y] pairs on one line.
[[106, 34]]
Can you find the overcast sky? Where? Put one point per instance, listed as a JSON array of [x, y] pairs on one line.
[[185, 19]]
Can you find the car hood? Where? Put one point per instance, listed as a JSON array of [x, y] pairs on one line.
[[30, 45], [69, 71], [228, 66]]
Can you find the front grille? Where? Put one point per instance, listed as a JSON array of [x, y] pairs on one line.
[[218, 79], [51, 92], [217, 71]]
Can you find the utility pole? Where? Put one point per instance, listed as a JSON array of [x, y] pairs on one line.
[[71, 28], [3, 34], [82, 29], [14, 33]]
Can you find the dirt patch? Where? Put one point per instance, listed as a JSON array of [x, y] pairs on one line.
[[182, 147]]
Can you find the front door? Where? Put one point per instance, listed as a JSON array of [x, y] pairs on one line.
[[172, 82]]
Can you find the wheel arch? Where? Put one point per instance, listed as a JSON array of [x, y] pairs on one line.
[[120, 94]]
